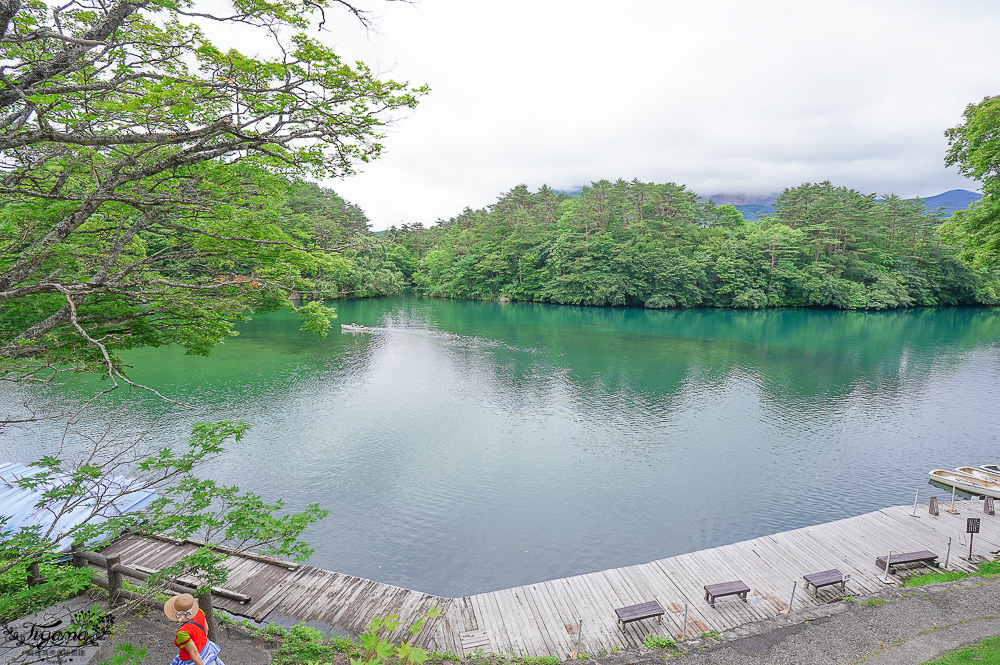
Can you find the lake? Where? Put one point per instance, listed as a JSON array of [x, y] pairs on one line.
[[468, 446]]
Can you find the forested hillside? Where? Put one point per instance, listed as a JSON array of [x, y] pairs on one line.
[[318, 217], [657, 245]]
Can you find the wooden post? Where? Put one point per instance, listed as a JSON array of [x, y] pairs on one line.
[[115, 578], [34, 575], [579, 635], [932, 507], [205, 604], [988, 506], [885, 578], [952, 509], [78, 560]]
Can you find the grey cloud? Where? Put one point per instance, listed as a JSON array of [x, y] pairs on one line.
[[721, 95]]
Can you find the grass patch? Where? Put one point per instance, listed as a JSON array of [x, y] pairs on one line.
[[986, 652], [302, 644], [305, 645], [62, 581], [985, 569], [659, 642], [875, 602]]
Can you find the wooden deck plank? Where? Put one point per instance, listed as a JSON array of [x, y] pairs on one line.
[[563, 615], [492, 619], [576, 595], [543, 621], [601, 603], [486, 625], [521, 629]]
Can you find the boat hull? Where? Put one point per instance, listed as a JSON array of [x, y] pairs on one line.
[[966, 483]]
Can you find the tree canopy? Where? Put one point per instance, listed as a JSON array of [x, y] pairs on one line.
[[153, 191], [658, 245], [974, 146], [151, 181]]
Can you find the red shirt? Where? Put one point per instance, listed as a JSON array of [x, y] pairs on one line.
[[193, 629]]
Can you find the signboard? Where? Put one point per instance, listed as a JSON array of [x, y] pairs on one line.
[[972, 525]]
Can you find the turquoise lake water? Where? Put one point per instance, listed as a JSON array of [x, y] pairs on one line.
[[467, 446]]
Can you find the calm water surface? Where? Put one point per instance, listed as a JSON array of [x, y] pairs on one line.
[[467, 446]]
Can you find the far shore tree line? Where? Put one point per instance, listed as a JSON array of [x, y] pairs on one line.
[[658, 246]]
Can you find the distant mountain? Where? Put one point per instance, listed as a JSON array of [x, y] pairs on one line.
[[573, 191], [752, 210], [742, 199], [956, 199], [751, 206]]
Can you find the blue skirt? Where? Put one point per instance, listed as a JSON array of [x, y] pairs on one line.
[[209, 656]]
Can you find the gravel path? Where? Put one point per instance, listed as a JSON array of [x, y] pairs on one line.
[[152, 631], [21, 640]]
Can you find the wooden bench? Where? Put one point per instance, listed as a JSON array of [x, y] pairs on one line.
[[737, 588], [639, 612], [824, 578], [923, 556]]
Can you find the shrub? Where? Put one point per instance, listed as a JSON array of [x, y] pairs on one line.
[[659, 642], [17, 599], [301, 644]]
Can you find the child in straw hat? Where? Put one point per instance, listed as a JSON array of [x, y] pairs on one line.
[[192, 637]]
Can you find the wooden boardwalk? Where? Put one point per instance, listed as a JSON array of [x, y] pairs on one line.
[[544, 618]]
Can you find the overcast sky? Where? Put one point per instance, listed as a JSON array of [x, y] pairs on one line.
[[719, 95]]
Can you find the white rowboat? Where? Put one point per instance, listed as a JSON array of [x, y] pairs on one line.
[[966, 483], [979, 473], [352, 328]]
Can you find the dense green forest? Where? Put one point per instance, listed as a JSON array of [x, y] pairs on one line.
[[360, 266], [658, 245]]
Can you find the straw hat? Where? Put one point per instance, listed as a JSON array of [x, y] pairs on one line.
[[181, 607]]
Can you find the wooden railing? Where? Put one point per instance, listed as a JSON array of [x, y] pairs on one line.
[[113, 582]]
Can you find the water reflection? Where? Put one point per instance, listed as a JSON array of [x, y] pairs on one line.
[[469, 446]]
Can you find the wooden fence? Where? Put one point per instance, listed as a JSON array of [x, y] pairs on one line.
[[113, 582]]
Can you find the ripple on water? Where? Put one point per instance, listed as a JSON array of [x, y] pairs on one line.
[[463, 447]]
